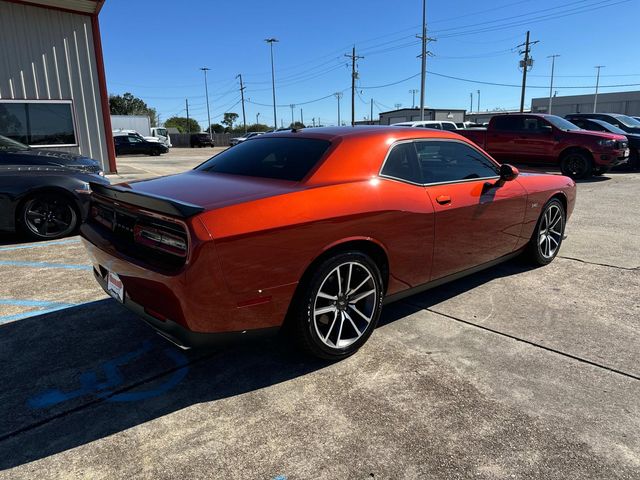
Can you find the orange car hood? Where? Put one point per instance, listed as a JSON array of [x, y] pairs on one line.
[[211, 190]]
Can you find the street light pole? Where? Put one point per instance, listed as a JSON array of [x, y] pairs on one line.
[[257, 118], [595, 99], [553, 65], [292, 119], [271, 41], [478, 101], [338, 95], [206, 90]]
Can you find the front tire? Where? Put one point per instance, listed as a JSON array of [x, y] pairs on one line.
[[47, 216], [338, 307], [576, 165], [548, 234]]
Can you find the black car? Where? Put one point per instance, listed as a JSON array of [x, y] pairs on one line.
[[200, 140], [16, 153], [623, 122], [602, 126], [44, 202], [131, 144]]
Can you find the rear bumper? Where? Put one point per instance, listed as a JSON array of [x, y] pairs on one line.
[[179, 335]]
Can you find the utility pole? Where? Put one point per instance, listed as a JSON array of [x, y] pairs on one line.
[[372, 111], [206, 89], [525, 64], [354, 76], [338, 95], [471, 103], [257, 118], [301, 117], [553, 64], [423, 56], [595, 99], [271, 41], [413, 92], [186, 102], [314, 121], [478, 101], [292, 107], [397, 105], [244, 117]]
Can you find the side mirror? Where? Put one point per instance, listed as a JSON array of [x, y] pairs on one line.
[[508, 172]]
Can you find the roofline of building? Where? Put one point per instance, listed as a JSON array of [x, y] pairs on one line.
[[99, 4], [426, 109]]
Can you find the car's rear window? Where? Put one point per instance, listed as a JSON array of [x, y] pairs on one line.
[[279, 158]]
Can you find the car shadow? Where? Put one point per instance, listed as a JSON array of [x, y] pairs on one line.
[[82, 374]]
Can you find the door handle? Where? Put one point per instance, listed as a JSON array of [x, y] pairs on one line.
[[443, 199]]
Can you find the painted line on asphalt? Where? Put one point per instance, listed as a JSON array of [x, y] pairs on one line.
[[33, 313], [40, 245], [28, 303], [16, 263]]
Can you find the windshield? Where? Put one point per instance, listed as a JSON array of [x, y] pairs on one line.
[[627, 121], [561, 123], [609, 127], [8, 144], [281, 158], [162, 131]]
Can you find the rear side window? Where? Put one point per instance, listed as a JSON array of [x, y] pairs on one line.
[[402, 163], [508, 123], [446, 161], [278, 158], [449, 126]]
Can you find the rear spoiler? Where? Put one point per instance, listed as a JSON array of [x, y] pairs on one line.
[[155, 203]]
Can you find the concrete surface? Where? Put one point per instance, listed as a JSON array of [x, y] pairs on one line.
[[510, 373]]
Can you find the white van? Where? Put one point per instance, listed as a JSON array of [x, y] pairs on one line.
[[437, 124], [162, 135]]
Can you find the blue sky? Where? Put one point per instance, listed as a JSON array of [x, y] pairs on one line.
[[154, 49]]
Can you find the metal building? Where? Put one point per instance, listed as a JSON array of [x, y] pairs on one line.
[[53, 91], [627, 103], [411, 114]]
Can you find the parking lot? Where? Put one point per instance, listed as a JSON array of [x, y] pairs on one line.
[[513, 372]]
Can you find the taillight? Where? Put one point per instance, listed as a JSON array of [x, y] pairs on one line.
[[160, 240]]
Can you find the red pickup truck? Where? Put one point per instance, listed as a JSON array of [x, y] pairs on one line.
[[550, 140]]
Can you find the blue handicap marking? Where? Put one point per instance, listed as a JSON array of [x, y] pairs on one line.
[[280, 477], [90, 385]]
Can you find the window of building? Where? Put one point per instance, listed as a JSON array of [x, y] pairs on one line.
[[38, 123], [448, 161]]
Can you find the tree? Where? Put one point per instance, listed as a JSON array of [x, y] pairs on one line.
[[128, 104], [296, 125], [229, 119], [216, 128], [183, 124]]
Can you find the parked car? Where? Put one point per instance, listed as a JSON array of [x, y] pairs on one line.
[[44, 201], [16, 153], [200, 140], [320, 227], [134, 144], [550, 140], [623, 122], [602, 126], [246, 136], [467, 125], [439, 125]]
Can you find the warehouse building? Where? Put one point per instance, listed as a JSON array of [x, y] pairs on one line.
[[412, 114], [627, 103], [53, 90]]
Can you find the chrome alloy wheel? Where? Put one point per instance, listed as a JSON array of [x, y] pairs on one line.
[[550, 231], [345, 304]]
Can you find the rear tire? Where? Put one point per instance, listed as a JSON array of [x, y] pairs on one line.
[[338, 306], [576, 165], [547, 237]]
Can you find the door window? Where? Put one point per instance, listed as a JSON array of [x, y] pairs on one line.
[[508, 123], [450, 161]]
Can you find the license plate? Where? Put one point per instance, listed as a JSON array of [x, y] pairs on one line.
[[115, 288]]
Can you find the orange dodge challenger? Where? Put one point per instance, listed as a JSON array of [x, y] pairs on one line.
[[316, 229]]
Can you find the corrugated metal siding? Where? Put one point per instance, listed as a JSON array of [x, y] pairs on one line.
[[48, 54]]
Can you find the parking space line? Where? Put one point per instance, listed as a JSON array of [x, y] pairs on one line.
[[32, 313], [16, 263], [40, 245]]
